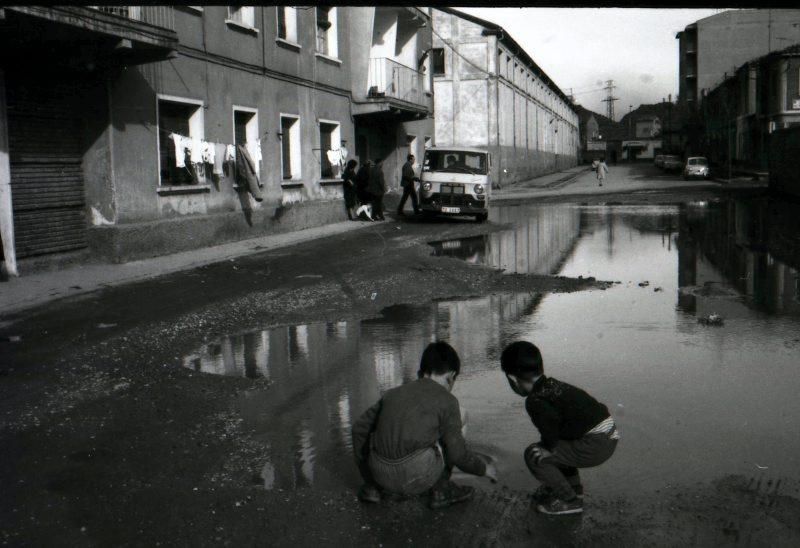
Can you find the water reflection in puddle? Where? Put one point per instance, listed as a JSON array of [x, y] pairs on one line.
[[692, 401]]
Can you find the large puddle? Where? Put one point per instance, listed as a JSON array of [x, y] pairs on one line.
[[693, 401]]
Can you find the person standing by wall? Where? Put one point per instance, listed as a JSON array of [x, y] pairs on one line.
[[349, 189], [407, 181], [602, 169], [364, 198], [377, 188]]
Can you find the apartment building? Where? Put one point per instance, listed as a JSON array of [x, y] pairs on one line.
[[740, 115], [490, 93], [124, 125], [711, 49]]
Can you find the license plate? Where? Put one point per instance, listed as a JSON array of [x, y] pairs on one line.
[[451, 210]]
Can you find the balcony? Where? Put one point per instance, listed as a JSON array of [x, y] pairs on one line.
[[158, 16], [394, 86], [116, 34]]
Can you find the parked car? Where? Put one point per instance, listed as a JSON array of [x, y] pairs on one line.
[[659, 161], [672, 163], [696, 166]]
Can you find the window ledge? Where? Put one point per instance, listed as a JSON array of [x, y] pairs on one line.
[[241, 26], [288, 44], [183, 189], [335, 60], [330, 182], [197, 10], [289, 185]]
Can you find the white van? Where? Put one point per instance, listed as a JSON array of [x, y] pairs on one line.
[[456, 181]]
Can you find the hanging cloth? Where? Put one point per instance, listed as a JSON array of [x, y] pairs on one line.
[[196, 151], [179, 142], [230, 153], [209, 152], [219, 158], [246, 174]]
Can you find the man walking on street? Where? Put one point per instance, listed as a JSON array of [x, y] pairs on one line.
[[602, 169], [407, 181]]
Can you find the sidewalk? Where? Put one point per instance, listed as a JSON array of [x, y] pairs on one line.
[[581, 181], [39, 288]]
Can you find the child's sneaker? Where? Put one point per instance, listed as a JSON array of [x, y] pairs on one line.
[[558, 507], [369, 493], [450, 493], [545, 493]]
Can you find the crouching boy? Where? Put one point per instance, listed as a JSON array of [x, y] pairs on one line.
[[576, 430], [408, 442]]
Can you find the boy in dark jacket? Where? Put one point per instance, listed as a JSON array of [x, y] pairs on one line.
[[408, 442], [576, 430]]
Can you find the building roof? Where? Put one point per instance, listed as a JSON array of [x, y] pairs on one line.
[[608, 128], [506, 39]]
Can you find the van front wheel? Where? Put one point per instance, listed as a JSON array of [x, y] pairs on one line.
[[481, 217]]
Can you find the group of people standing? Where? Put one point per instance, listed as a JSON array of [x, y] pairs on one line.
[[364, 189]]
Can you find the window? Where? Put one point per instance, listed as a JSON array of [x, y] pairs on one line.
[[428, 142], [181, 117], [437, 56], [327, 29], [329, 139], [287, 23], [245, 131], [290, 146], [455, 161], [243, 15]]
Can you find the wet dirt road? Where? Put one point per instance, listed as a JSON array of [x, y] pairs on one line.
[[213, 407]]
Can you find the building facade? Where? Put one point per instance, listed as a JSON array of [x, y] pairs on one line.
[[740, 115], [490, 94], [110, 139], [711, 49], [600, 137]]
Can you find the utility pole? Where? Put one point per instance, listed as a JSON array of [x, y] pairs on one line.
[[610, 99]]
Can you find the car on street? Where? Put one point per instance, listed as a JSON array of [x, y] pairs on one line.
[[659, 160], [696, 167], [456, 181], [672, 163]]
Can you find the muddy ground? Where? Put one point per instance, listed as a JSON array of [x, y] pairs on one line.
[[106, 439]]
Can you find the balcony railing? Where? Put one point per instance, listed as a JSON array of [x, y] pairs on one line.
[[388, 78], [159, 16]]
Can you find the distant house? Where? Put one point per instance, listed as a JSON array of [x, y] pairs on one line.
[[600, 137]]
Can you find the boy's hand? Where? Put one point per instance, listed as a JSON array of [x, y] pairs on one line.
[[491, 472], [537, 453]]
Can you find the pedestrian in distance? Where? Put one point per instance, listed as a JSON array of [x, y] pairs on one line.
[[364, 210], [576, 430], [602, 169], [349, 189], [376, 187], [408, 181], [409, 441]]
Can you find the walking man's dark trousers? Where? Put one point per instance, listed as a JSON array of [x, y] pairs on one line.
[[407, 182]]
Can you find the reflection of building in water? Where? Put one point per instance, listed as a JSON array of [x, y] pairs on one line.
[[739, 242], [540, 242]]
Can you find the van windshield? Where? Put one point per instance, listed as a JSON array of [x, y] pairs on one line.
[[698, 162], [455, 161]]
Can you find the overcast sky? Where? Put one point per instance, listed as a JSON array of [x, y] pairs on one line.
[[581, 48]]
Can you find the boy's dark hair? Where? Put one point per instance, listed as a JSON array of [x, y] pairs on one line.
[[438, 358], [410, 157], [522, 359], [351, 164]]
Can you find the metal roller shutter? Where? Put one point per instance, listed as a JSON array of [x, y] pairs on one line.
[[45, 149]]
